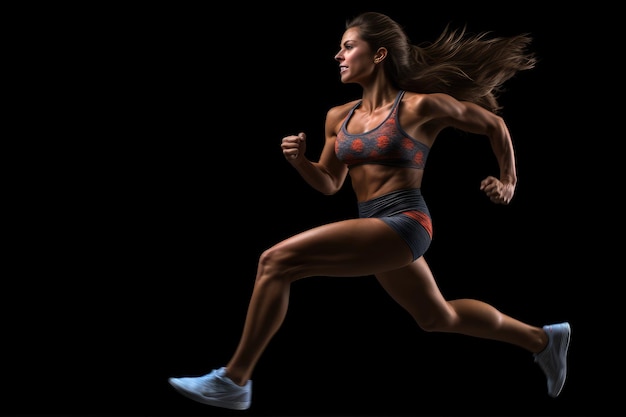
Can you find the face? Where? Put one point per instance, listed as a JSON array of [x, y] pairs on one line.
[[355, 57]]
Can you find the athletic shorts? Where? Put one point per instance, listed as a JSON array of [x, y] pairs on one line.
[[405, 211]]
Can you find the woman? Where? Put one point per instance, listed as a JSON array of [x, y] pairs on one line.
[[410, 94]]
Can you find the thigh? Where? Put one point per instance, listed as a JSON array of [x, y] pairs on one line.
[[415, 289], [354, 247]]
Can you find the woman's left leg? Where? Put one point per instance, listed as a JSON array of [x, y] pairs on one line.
[[415, 289]]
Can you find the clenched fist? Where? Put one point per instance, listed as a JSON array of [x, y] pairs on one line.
[[294, 146]]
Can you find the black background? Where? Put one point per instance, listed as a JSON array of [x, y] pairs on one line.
[[158, 180]]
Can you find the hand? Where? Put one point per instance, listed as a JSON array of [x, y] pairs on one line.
[[497, 191], [294, 146]]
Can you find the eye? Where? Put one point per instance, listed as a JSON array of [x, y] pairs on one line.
[[346, 46]]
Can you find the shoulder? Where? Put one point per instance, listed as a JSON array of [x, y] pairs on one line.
[[432, 104], [431, 99], [338, 113]]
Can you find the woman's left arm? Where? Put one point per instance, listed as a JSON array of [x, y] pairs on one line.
[[473, 118]]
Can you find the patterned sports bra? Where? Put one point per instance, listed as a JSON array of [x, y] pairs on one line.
[[387, 144]]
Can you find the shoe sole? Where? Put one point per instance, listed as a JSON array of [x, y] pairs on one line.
[[563, 354]]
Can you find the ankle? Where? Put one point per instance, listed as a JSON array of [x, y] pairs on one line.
[[234, 377], [541, 341]]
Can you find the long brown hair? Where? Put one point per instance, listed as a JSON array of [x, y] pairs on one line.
[[469, 67]]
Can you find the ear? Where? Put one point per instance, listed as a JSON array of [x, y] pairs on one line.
[[380, 55]]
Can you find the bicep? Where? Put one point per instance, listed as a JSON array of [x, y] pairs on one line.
[[328, 160]]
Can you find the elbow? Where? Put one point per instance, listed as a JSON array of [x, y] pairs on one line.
[[496, 127], [332, 183], [330, 190], [498, 133], [332, 187]]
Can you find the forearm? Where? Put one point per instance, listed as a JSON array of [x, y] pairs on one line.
[[506, 161], [502, 146], [317, 176]]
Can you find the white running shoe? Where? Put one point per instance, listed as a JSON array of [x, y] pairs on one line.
[[553, 359], [215, 389]]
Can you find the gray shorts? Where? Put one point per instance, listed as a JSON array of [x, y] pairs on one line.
[[405, 211]]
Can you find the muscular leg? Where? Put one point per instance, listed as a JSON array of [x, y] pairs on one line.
[[415, 289], [361, 247], [356, 247]]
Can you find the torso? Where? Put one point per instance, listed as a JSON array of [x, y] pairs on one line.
[[381, 154]]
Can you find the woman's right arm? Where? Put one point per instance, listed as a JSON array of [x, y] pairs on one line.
[[328, 174]]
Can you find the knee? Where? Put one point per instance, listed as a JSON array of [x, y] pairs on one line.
[[437, 322], [274, 265], [430, 325], [271, 258]]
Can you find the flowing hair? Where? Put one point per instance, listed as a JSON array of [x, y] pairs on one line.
[[469, 67]]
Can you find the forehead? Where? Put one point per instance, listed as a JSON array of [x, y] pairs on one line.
[[351, 34]]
